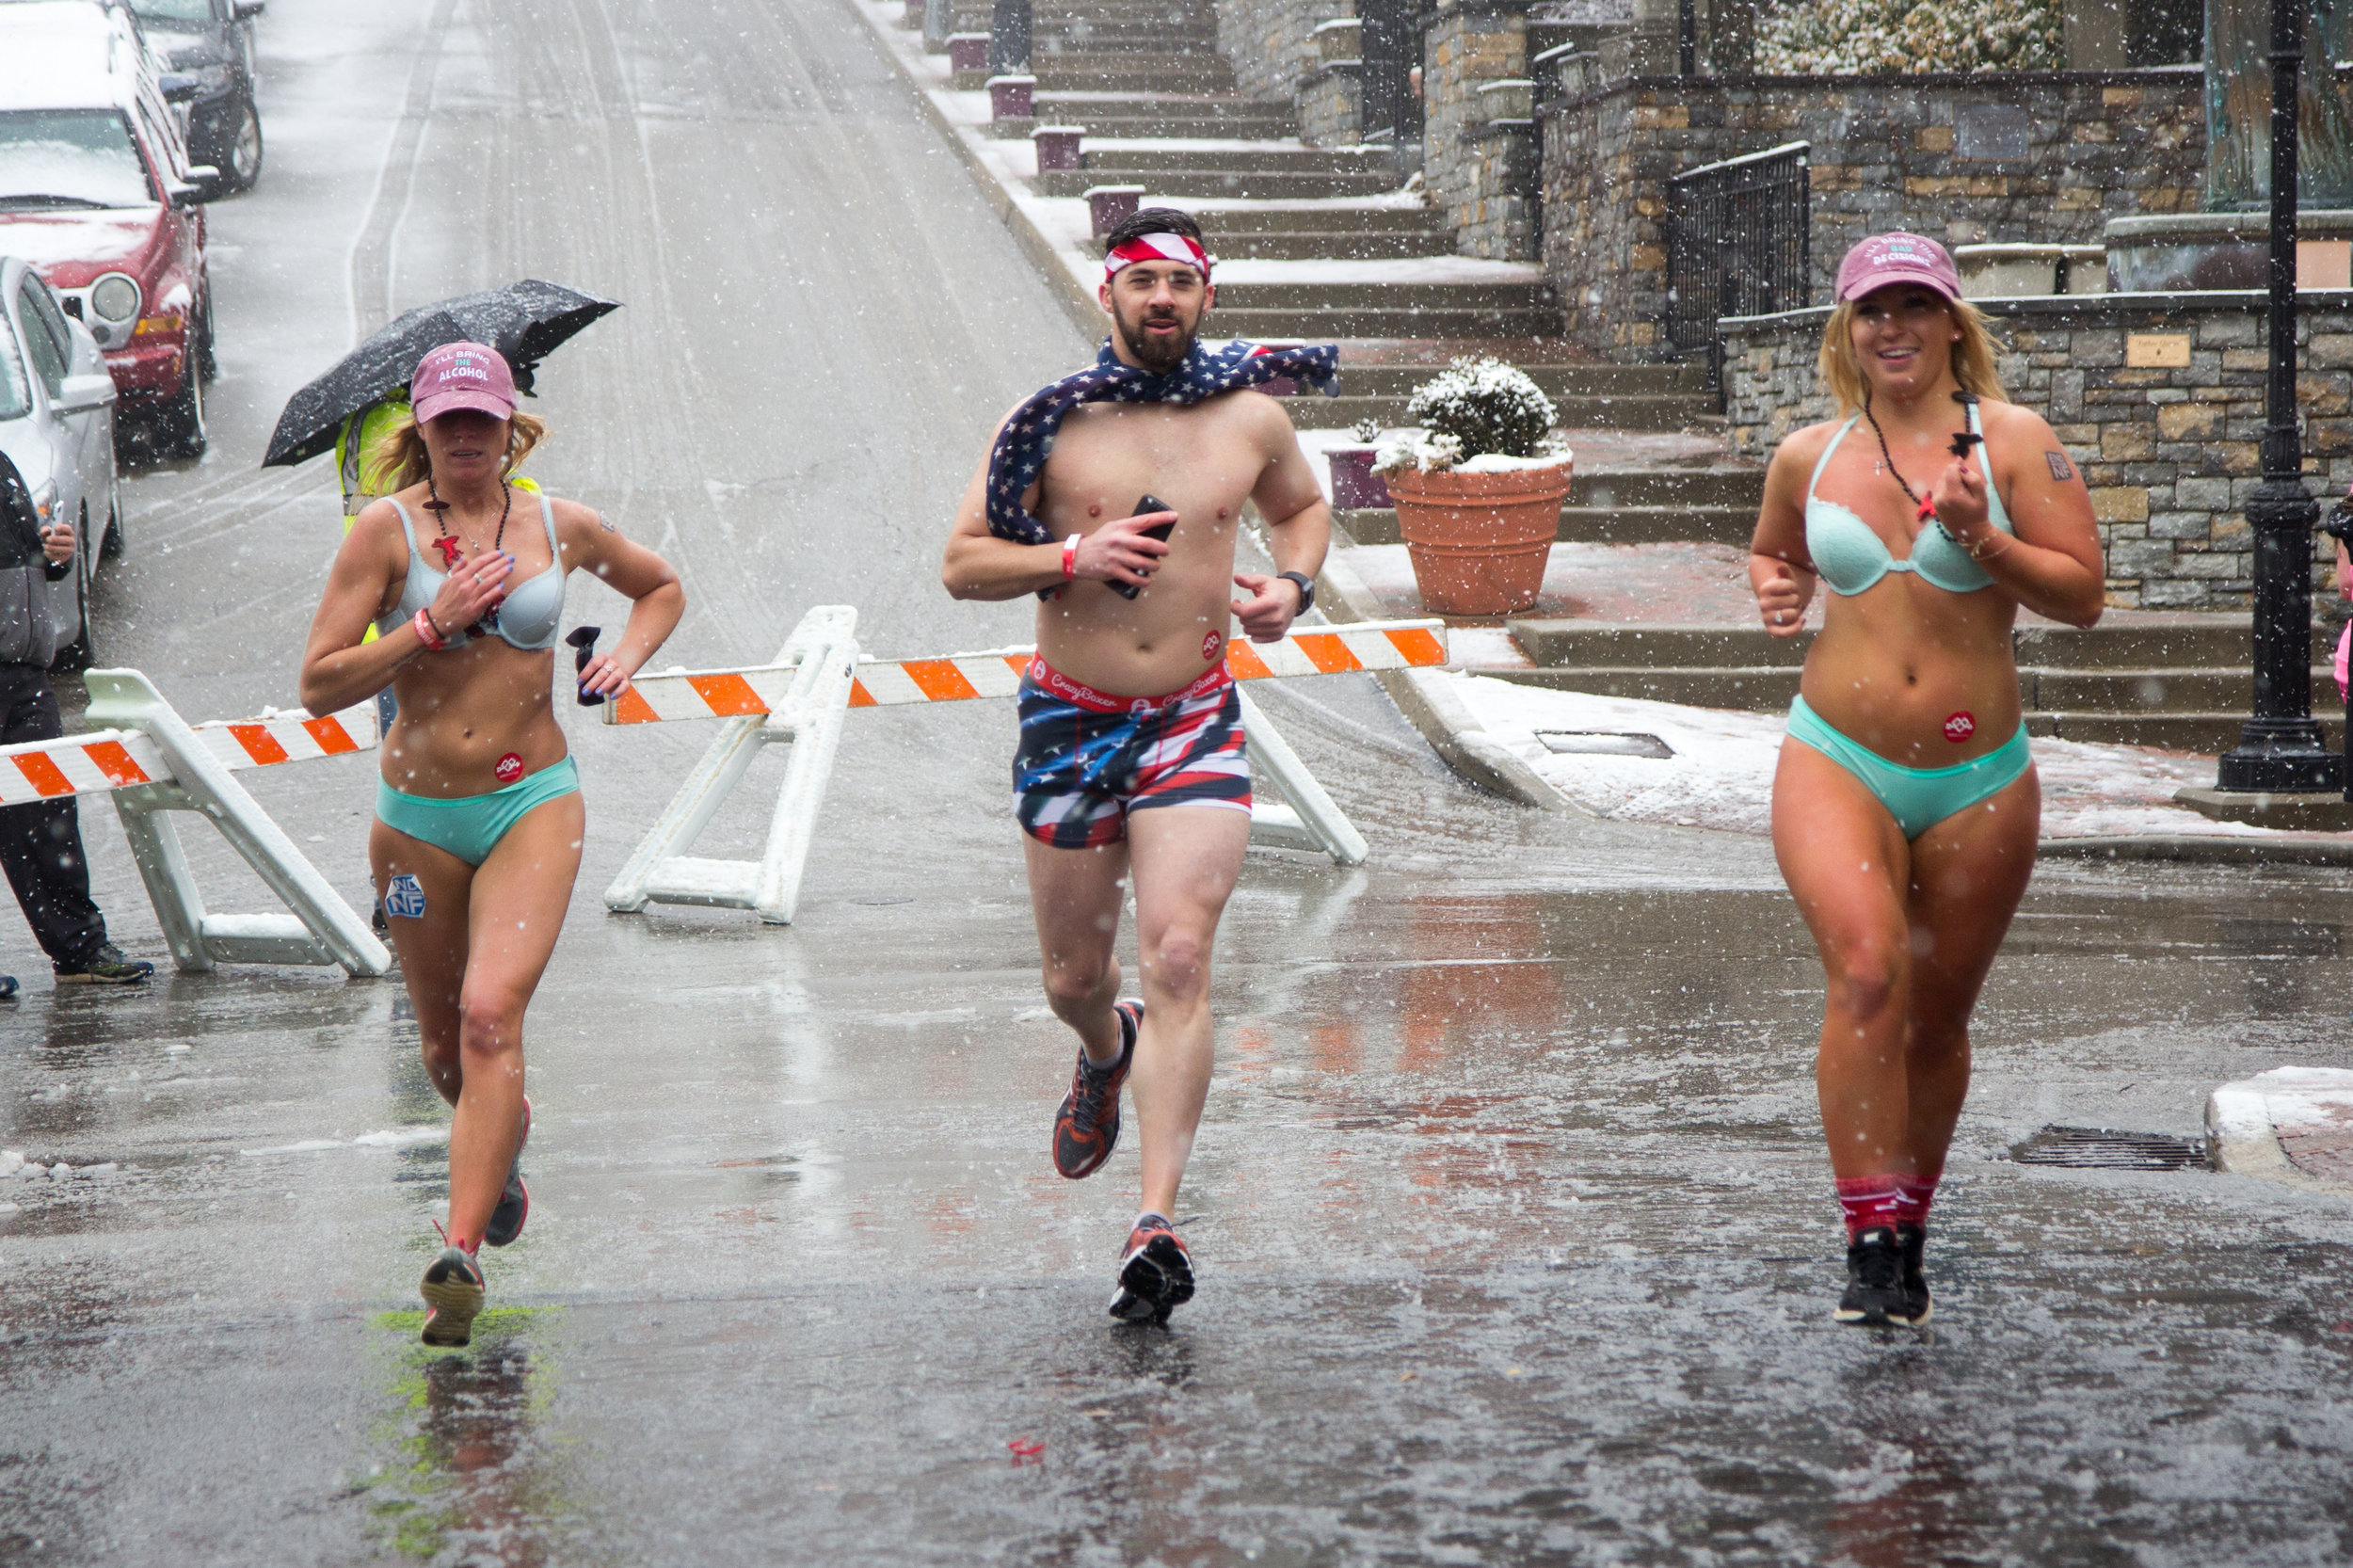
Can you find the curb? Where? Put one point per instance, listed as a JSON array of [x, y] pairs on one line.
[[2196, 849], [2243, 1140], [1421, 696]]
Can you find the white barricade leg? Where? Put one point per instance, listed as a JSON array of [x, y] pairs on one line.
[[1312, 818], [659, 870], [321, 928], [823, 702]]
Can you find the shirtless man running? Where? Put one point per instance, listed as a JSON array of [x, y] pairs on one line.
[[1130, 752]]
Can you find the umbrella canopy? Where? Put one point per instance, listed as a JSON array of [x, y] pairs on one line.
[[523, 321]]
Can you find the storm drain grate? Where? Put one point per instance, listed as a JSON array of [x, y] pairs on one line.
[[2092, 1149], [1600, 743]]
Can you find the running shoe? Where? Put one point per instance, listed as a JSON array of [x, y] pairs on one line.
[[1155, 1274], [454, 1295], [1088, 1126], [1875, 1281], [7, 987], [106, 966], [1913, 1241], [506, 1220]]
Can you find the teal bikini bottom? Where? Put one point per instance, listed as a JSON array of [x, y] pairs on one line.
[[1918, 798], [470, 827]]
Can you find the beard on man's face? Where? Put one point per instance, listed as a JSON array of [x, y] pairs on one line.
[[1162, 352]]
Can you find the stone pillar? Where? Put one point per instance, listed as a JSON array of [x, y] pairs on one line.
[[1478, 145]]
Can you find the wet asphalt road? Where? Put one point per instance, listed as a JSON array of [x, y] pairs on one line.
[[1515, 1234]]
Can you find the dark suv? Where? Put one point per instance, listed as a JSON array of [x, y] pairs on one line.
[[208, 46]]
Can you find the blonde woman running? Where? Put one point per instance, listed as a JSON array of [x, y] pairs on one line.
[[1906, 808], [478, 805]]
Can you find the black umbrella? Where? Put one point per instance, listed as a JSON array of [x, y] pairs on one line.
[[523, 321]]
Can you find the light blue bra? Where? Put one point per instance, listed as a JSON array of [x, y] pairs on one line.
[[1850, 557], [527, 617]]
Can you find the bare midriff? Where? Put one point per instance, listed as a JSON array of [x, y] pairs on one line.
[[1204, 463], [461, 711]]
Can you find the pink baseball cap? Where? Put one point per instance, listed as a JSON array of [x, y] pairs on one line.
[[1897, 258], [462, 376]]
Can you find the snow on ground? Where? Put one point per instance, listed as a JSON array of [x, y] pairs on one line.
[[1721, 773]]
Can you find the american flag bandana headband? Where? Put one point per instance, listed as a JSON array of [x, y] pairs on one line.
[[1156, 247], [1022, 447]]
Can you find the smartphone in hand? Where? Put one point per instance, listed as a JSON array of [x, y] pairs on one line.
[[1146, 505]]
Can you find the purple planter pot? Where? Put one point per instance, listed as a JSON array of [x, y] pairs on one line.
[[1109, 206], [1057, 148], [1009, 97], [967, 51], [1354, 483]]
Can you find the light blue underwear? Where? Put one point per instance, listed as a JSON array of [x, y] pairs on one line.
[[1918, 798], [470, 827]]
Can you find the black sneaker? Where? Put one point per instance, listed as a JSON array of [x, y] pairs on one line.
[[454, 1297], [1155, 1274], [106, 966], [1913, 1241], [1088, 1126], [506, 1220], [1875, 1281], [7, 987]]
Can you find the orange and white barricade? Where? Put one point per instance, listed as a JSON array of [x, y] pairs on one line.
[[820, 675], [152, 761]]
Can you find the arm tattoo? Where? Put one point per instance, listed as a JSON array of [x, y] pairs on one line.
[[2060, 469], [606, 523]]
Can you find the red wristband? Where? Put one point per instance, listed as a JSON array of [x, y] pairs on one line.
[[428, 634], [1070, 558]]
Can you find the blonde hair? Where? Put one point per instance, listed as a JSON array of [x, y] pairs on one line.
[[403, 460], [1973, 356]]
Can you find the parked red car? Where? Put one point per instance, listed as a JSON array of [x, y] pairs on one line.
[[97, 192]]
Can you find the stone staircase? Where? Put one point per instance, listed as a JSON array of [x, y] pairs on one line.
[[2138, 679]]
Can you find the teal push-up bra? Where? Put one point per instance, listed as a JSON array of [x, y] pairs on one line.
[[1850, 557], [527, 618]]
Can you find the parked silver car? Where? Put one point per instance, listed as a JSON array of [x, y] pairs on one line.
[[57, 428]]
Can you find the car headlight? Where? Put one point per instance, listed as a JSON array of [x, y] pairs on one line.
[[44, 503], [115, 298]]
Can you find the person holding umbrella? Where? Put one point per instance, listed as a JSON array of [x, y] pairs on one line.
[[478, 803]]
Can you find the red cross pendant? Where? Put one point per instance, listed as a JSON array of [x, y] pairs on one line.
[[449, 552]]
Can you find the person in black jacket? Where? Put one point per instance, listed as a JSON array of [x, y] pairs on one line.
[[41, 844]]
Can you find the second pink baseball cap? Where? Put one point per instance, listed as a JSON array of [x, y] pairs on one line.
[[1898, 258], [462, 376]]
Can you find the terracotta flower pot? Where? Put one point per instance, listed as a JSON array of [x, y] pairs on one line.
[[1479, 541]]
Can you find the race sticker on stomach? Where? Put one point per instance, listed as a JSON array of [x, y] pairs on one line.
[[405, 898], [510, 768], [1959, 727]]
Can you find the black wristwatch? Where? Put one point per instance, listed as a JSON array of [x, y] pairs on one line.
[[1306, 589]]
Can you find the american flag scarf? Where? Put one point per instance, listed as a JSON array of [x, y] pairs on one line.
[[1019, 455]]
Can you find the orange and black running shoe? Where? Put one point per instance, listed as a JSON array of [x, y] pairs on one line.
[[1086, 1129], [1155, 1274], [454, 1297]]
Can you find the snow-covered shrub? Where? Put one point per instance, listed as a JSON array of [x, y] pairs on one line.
[[1850, 36], [1416, 449], [1486, 406]]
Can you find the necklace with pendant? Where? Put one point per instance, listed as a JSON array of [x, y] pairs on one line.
[[441, 510], [1962, 440]]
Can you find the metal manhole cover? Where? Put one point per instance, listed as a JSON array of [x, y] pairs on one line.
[[1602, 743], [2091, 1148]]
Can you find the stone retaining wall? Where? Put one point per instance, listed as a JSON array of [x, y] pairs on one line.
[[2044, 157], [2158, 397], [1271, 43]]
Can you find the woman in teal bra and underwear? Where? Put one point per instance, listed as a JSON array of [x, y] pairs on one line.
[[478, 803], [1906, 809]]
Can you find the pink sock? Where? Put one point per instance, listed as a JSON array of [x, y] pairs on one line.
[[1913, 1196], [1868, 1202]]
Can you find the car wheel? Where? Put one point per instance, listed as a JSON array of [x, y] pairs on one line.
[[112, 545], [244, 162], [179, 423], [207, 362], [76, 655]]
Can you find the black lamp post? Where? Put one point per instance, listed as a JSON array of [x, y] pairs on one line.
[[2280, 748]]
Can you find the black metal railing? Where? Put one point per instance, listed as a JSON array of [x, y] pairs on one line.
[[1738, 243]]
